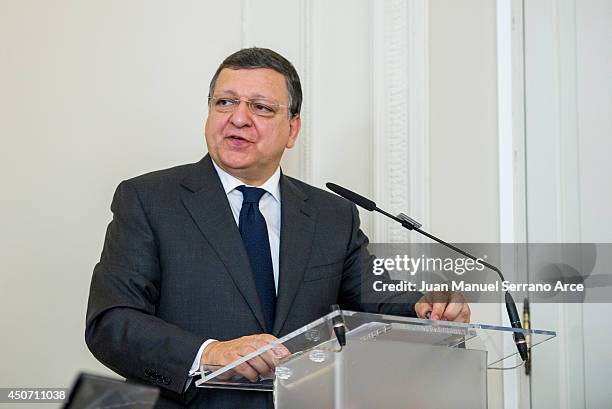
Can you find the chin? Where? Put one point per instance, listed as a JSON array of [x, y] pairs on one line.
[[233, 162]]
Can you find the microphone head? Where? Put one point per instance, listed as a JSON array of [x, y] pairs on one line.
[[352, 196]]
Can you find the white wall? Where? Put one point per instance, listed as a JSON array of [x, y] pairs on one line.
[[94, 92], [594, 94], [464, 205], [568, 126], [463, 124], [463, 120]]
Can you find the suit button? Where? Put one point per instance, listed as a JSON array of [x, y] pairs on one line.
[[166, 380]]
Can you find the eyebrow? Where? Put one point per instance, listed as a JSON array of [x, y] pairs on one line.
[[234, 93]]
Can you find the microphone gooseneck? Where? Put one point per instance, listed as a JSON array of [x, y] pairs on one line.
[[411, 224]]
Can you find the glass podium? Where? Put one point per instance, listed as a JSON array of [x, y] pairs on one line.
[[386, 362]]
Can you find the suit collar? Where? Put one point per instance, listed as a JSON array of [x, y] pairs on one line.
[[200, 176], [207, 203]]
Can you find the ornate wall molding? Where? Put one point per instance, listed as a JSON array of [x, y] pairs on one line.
[[400, 146], [308, 89]]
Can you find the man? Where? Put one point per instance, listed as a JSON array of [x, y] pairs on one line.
[[207, 262]]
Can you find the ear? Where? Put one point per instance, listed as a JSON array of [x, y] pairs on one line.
[[294, 128]]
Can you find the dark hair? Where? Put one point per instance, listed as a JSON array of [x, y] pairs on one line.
[[251, 58]]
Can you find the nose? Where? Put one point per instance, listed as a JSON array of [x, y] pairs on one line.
[[241, 115]]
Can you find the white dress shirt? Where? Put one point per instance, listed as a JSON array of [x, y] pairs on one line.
[[270, 207]]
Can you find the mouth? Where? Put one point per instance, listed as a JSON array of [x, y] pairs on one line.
[[237, 138]]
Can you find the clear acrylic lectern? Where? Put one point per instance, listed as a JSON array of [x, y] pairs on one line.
[[387, 362]]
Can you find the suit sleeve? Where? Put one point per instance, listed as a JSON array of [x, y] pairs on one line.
[[122, 330], [357, 286]]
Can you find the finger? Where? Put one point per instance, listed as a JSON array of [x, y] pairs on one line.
[[274, 355], [454, 307], [423, 307], [423, 310], [226, 375], [452, 311], [280, 352], [270, 359], [465, 314], [460, 310], [266, 361], [263, 340], [260, 365], [246, 370], [438, 310], [257, 363]]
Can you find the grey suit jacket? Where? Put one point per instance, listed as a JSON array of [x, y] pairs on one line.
[[174, 272]]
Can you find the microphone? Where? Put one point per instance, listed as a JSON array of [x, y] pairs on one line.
[[411, 224], [339, 326], [352, 196], [527, 323]]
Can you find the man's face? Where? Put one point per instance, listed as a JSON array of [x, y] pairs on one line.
[[242, 143]]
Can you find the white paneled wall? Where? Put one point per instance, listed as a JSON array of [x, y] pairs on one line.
[[568, 126], [400, 114]]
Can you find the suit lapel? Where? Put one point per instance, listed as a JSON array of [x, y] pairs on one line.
[[207, 203], [298, 221]]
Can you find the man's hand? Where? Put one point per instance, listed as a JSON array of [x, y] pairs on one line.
[[443, 305], [219, 354]]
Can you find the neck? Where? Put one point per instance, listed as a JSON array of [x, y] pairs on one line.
[[247, 176]]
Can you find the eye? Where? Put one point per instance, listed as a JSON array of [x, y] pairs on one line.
[[262, 108], [225, 102]]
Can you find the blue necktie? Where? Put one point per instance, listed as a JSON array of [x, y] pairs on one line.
[[254, 232]]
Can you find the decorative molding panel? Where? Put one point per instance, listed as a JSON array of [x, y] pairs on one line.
[[400, 145], [418, 109], [307, 89]]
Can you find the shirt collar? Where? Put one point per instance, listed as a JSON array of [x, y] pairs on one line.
[[229, 182]]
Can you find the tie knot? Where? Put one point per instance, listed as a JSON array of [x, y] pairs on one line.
[[251, 194]]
